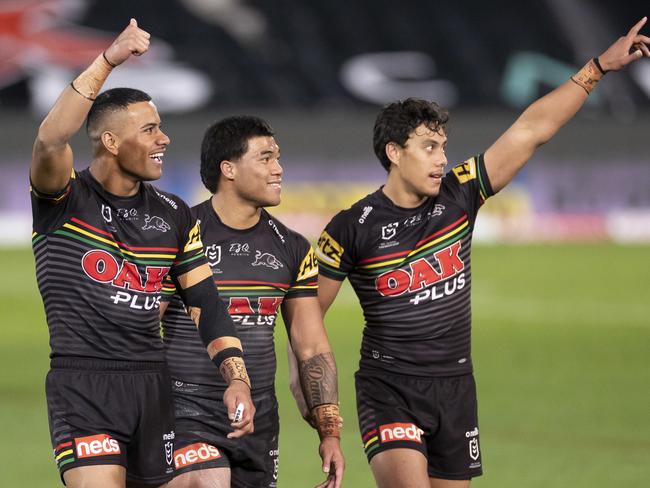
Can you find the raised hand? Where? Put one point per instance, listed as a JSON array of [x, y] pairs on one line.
[[131, 41], [626, 49]]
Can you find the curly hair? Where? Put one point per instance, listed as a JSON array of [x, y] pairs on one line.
[[398, 120]]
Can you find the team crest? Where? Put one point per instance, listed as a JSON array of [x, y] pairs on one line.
[[155, 223], [267, 259]]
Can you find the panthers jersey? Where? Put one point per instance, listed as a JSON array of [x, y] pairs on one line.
[[410, 269], [100, 264], [255, 270]]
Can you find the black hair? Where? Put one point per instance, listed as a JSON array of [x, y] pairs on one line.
[[227, 140], [111, 101], [398, 120]]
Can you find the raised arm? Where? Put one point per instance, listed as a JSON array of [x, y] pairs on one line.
[[317, 372], [541, 120], [52, 159], [218, 333]]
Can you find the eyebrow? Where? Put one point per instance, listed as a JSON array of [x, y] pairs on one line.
[[150, 124]]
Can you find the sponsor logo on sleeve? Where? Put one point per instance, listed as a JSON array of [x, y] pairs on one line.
[[308, 267], [96, 445], [194, 239], [329, 251], [195, 453], [399, 431], [465, 171]]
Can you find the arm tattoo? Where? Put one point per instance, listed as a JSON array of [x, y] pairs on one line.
[[318, 379]]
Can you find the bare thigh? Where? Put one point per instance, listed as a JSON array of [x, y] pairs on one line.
[[101, 476], [202, 478], [400, 468], [440, 483]]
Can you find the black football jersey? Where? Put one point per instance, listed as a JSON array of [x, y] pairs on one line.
[[255, 270], [100, 264], [410, 269]]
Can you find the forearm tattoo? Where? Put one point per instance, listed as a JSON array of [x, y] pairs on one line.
[[318, 379], [233, 368]]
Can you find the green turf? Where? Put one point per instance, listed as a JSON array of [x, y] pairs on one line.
[[561, 349]]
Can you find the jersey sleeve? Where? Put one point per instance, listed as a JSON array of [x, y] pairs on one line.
[[305, 282], [336, 248], [190, 254], [468, 184], [49, 210]]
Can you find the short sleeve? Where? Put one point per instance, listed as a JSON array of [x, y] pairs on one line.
[[305, 282], [191, 254], [336, 248], [467, 183]]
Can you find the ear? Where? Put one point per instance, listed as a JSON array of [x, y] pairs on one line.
[[394, 152], [228, 169], [110, 142]]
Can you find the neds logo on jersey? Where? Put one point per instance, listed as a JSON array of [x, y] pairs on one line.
[[102, 267], [422, 275]]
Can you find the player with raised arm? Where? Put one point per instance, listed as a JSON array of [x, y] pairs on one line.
[[103, 242], [406, 251], [260, 266]]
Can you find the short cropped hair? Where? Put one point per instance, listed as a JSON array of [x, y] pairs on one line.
[[111, 101], [227, 140], [398, 120]]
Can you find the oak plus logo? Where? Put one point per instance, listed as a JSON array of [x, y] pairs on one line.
[[195, 453], [96, 445], [245, 311], [155, 223], [422, 276], [399, 431], [103, 267], [267, 259]]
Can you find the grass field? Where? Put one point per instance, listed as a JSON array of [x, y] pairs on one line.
[[561, 349]]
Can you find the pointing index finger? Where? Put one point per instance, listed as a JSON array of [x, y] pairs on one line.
[[637, 27]]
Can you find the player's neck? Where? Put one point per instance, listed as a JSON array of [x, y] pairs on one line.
[[401, 194], [234, 212], [112, 180]]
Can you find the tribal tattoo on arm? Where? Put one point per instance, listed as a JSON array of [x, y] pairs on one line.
[[319, 384]]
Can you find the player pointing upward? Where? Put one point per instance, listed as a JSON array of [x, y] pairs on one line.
[[104, 241], [408, 259]]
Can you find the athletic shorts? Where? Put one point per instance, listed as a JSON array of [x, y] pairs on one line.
[[436, 416], [202, 425], [111, 412]]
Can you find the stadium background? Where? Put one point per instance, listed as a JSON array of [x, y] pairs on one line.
[[561, 268]]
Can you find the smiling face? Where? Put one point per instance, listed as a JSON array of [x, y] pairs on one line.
[[139, 142], [257, 174], [420, 162]]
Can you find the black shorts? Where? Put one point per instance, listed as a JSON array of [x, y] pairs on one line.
[[436, 416], [111, 412], [202, 425]]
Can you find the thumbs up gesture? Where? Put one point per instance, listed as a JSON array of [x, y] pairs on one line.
[[131, 41]]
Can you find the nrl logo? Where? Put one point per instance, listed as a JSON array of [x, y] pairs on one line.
[[389, 231], [213, 253], [155, 223], [267, 259], [473, 449]]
